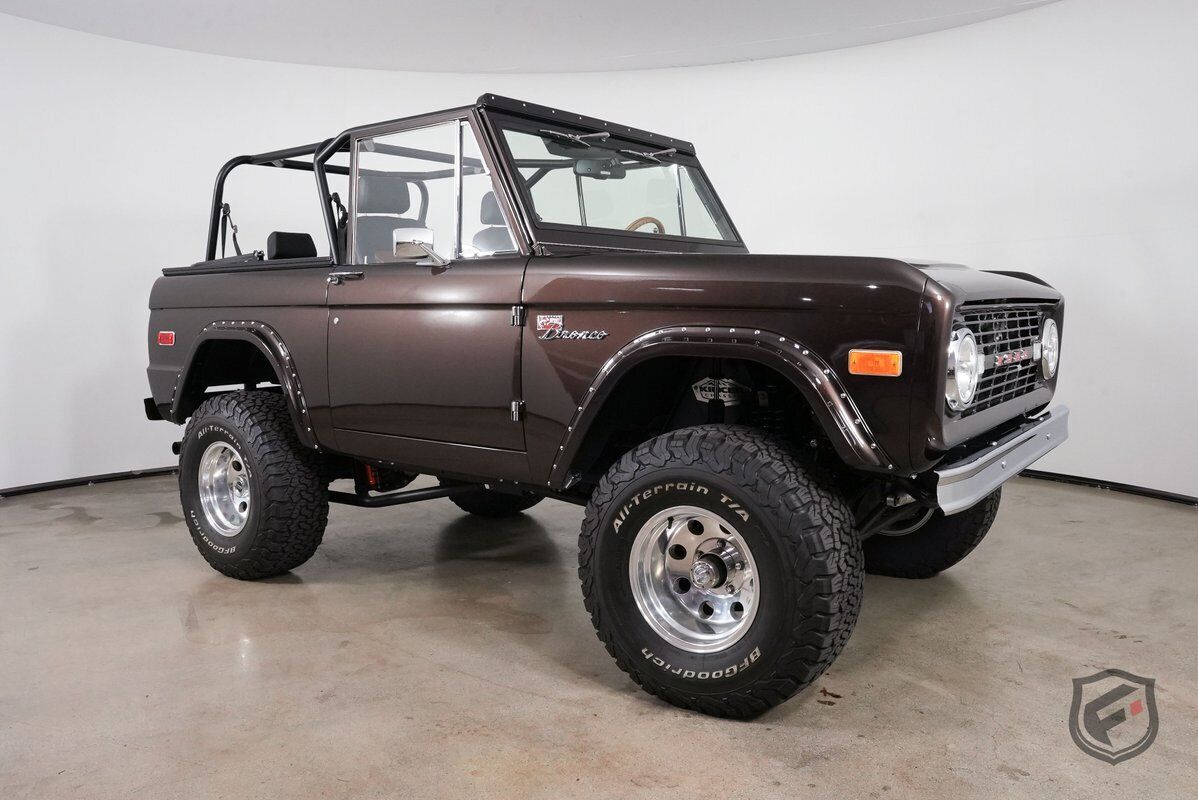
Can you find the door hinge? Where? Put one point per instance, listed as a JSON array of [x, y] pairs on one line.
[[518, 315], [517, 410]]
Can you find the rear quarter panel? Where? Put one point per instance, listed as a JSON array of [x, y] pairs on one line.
[[291, 300]]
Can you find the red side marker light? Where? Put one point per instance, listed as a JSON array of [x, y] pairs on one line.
[[166, 338]]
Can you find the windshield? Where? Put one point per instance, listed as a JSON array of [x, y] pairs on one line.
[[596, 181]]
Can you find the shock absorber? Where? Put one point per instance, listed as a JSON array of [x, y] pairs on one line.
[[373, 478], [768, 414]]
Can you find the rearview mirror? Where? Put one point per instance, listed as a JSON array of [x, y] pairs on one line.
[[599, 168]]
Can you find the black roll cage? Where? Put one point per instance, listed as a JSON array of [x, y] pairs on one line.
[[284, 159], [315, 157]]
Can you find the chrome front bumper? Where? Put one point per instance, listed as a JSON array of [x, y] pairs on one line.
[[963, 484]]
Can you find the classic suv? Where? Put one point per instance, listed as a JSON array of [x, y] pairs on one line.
[[525, 302]]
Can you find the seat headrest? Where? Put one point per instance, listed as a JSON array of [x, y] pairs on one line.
[[383, 194], [290, 245], [490, 213]]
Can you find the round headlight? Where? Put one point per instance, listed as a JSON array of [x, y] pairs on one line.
[[1050, 348], [964, 369]]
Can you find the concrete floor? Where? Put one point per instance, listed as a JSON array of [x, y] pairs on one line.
[[426, 653]]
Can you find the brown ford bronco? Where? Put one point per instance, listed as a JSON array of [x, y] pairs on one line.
[[524, 303]]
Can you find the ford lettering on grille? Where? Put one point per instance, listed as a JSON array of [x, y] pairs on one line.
[[1013, 357]]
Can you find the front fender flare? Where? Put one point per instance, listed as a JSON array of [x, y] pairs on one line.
[[272, 346], [812, 376]]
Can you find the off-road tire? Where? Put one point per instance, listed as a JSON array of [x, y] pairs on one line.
[[289, 505], [933, 548], [488, 503], [803, 541]]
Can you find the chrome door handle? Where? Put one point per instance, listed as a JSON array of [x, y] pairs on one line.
[[337, 278]]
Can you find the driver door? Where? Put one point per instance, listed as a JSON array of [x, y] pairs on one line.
[[423, 353]]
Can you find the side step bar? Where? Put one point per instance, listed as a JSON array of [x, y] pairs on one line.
[[398, 498]]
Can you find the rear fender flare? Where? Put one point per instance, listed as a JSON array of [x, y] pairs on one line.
[[812, 376], [272, 346]]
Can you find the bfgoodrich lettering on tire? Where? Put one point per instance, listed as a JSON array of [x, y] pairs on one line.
[[253, 496], [720, 574]]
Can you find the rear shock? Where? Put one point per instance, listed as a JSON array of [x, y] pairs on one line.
[[373, 478]]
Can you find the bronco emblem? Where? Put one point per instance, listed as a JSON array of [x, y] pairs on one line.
[[553, 326]]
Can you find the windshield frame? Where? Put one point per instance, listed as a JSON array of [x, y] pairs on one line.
[[556, 233]]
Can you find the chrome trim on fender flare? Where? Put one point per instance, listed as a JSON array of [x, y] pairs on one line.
[[815, 379], [963, 484]]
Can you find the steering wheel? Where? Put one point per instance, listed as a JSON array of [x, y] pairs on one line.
[[642, 221]]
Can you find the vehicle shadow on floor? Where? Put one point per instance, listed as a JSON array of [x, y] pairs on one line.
[[502, 574], [516, 540], [370, 546]]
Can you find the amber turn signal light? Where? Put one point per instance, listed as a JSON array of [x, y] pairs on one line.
[[888, 363]]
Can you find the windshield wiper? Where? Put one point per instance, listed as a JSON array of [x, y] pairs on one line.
[[589, 139], [652, 158], [577, 139]]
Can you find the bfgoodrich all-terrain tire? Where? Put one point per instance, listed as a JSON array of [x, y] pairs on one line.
[[252, 495], [488, 503], [720, 574], [937, 545]]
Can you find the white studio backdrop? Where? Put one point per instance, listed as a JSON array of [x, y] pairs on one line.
[[1057, 141]]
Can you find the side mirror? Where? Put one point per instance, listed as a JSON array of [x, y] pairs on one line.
[[416, 243]]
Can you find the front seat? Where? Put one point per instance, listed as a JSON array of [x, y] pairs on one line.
[[494, 238], [381, 201]]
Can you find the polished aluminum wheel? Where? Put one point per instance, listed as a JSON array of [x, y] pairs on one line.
[[694, 579], [224, 489]]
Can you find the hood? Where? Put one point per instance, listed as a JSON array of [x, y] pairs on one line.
[[965, 283], [629, 280], [850, 284]]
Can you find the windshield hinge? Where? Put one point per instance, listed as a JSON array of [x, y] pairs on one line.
[[517, 410], [518, 316]]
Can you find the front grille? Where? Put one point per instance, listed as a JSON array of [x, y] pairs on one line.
[[1003, 329]]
